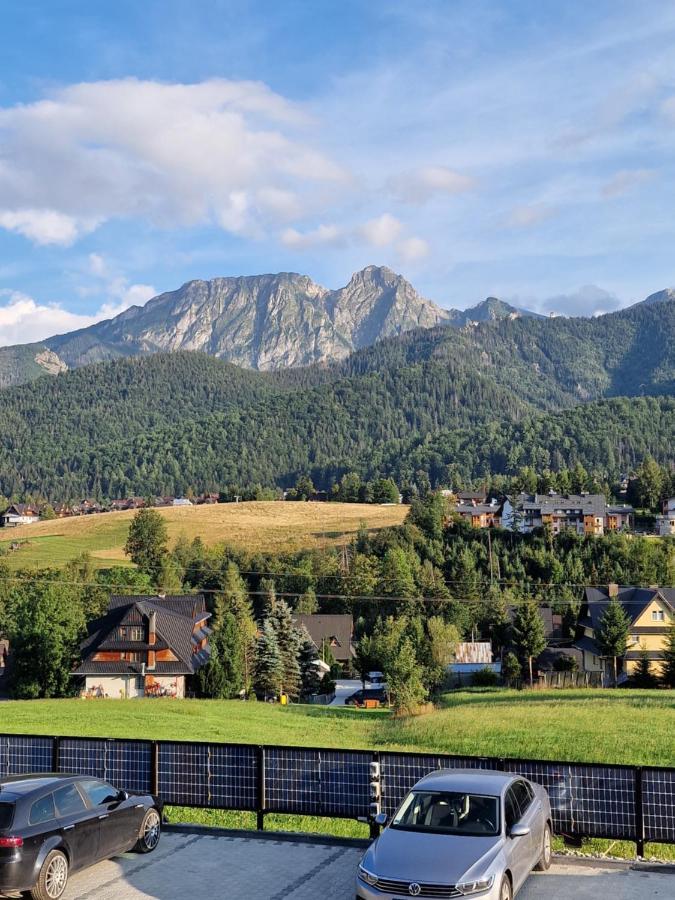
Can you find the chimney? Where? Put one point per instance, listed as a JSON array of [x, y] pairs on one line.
[[152, 639], [613, 590]]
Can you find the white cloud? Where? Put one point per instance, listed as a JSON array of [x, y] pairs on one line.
[[532, 214], [588, 300], [231, 153], [382, 231], [44, 226], [420, 185], [624, 180], [24, 320], [412, 249], [323, 235]]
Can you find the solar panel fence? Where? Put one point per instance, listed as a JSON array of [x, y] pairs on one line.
[[587, 799]]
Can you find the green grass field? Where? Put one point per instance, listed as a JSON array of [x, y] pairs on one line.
[[634, 727]]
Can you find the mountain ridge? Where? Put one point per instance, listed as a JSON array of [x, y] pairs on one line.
[[261, 322]]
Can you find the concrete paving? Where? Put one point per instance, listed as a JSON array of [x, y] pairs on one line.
[[344, 688], [194, 866]]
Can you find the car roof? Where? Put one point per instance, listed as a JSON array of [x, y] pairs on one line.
[[478, 781], [14, 786]]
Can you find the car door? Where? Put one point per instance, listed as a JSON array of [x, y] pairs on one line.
[[79, 825], [530, 817], [517, 849], [119, 819]]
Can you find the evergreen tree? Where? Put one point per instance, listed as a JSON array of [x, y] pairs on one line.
[[668, 656], [268, 670], [643, 676], [307, 603], [612, 633], [512, 671], [210, 680], [288, 640], [404, 678], [529, 636], [308, 657], [268, 598]]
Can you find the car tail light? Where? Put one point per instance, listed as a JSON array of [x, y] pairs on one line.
[[11, 842]]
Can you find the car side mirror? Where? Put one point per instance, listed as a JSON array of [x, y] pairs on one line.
[[380, 819], [122, 796], [518, 830]]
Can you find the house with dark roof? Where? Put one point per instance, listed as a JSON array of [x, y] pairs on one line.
[[145, 646], [651, 612], [585, 514], [333, 632], [19, 514]]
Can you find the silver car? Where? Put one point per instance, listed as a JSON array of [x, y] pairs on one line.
[[460, 833]]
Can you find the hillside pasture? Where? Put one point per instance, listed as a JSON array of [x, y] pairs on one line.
[[269, 526]]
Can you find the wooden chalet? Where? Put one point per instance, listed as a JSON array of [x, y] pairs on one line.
[[145, 646]]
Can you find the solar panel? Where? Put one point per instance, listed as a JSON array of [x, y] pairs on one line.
[[658, 804], [22, 755], [400, 771]]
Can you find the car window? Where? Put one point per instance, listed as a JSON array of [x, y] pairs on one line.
[[6, 815], [523, 796], [42, 810], [99, 792], [68, 801], [451, 812], [511, 809]]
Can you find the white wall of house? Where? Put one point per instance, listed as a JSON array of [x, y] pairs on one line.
[[665, 524], [171, 683], [116, 687], [10, 521]]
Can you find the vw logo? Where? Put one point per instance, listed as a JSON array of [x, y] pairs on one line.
[[414, 889]]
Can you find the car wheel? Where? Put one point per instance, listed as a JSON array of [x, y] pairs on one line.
[[53, 877], [149, 834], [544, 863], [505, 892]]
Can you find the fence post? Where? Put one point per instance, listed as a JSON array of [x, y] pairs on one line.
[[56, 747], [154, 768], [639, 814], [260, 811]]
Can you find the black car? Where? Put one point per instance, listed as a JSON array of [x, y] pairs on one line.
[[358, 698], [51, 825]]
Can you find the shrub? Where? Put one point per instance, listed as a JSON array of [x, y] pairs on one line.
[[484, 678]]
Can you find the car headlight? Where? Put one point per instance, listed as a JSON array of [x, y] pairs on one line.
[[367, 876], [475, 887]]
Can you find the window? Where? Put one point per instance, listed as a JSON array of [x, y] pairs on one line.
[[42, 810], [68, 801], [99, 792], [6, 815], [136, 633], [523, 796], [449, 812], [135, 656], [658, 615], [511, 809]]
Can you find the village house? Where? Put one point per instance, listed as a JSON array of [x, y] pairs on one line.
[[19, 514], [479, 512], [145, 646], [665, 523], [584, 514], [652, 614], [329, 632]]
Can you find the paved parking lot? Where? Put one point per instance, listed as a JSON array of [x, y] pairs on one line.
[[194, 866]]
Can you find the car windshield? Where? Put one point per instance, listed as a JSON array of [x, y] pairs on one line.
[[449, 812], [6, 815]]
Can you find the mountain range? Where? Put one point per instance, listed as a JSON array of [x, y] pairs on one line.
[[260, 322], [488, 396]]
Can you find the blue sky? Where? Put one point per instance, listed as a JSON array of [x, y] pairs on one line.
[[519, 149]]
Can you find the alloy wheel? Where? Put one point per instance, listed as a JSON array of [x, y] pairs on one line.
[[547, 847], [505, 893], [56, 877], [151, 830]]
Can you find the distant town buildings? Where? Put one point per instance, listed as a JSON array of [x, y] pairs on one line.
[[585, 514], [665, 523], [19, 514]]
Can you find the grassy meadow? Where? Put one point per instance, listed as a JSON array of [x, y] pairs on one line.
[[633, 727], [623, 726], [270, 526]]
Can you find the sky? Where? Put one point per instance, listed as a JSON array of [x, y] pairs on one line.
[[524, 150]]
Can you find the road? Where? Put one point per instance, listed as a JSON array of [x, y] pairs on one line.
[[221, 868], [344, 688]]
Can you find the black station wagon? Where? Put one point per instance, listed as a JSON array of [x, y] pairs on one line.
[[52, 825]]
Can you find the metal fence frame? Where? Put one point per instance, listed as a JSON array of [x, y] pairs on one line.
[[617, 802]]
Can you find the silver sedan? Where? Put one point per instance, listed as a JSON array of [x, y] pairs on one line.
[[460, 833]]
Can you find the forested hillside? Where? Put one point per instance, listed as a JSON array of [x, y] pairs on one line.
[[486, 399]]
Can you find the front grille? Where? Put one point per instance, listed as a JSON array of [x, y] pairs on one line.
[[393, 886]]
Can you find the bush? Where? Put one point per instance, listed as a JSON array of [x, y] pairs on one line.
[[485, 678], [565, 664]]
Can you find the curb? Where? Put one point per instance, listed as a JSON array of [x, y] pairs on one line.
[[287, 837]]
